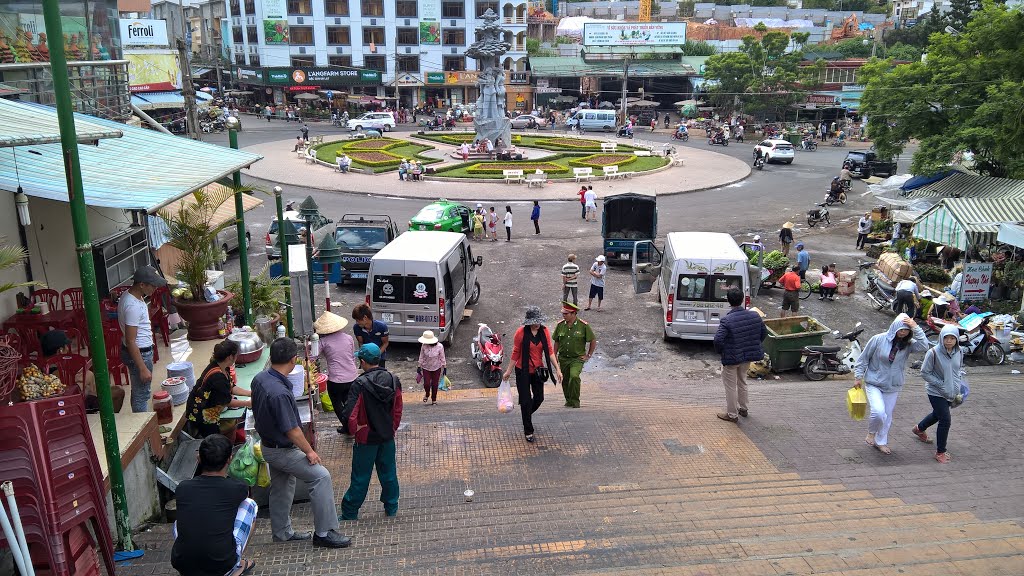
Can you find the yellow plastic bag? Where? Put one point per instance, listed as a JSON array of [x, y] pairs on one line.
[[325, 401], [857, 403], [263, 476]]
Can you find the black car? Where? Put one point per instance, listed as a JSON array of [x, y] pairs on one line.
[[359, 237], [865, 163]]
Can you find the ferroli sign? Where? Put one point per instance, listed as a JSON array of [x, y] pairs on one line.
[[143, 32], [321, 76]]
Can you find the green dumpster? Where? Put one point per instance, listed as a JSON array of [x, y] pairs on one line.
[[794, 138], [788, 336]]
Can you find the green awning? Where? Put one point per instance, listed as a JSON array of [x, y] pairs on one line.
[[576, 67], [960, 222]]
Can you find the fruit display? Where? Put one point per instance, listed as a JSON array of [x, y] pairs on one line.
[[33, 384]]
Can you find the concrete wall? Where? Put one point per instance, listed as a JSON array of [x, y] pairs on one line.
[[9, 236], [140, 490]]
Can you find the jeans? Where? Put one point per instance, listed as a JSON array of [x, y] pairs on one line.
[[508, 233], [734, 377], [536, 226], [141, 391], [531, 396], [364, 458], [338, 393], [882, 405], [583, 211], [941, 415], [566, 290], [861, 237], [287, 464]]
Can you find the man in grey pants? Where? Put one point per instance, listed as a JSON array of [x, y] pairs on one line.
[[289, 454]]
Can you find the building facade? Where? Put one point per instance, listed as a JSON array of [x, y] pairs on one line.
[[368, 49]]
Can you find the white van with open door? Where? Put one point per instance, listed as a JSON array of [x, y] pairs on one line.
[[693, 276], [423, 281]]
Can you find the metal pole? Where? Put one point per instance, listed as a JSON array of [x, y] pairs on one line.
[[189, 92], [87, 273], [309, 264], [625, 80], [284, 256], [243, 248]]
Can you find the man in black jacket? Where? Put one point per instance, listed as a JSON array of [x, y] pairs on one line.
[[738, 340], [373, 412]]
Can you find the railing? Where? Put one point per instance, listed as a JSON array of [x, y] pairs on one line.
[[98, 88], [513, 20]]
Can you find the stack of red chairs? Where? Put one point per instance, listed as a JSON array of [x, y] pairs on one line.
[[46, 450]]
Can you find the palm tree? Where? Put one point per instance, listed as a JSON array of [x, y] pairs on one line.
[[11, 256]]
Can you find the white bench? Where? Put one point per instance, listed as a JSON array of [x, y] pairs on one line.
[[608, 146], [310, 156], [641, 152], [510, 175], [301, 152], [581, 173], [611, 172], [676, 160], [537, 180]]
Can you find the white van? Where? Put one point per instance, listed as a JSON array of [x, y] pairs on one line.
[[693, 275], [423, 281], [590, 119]]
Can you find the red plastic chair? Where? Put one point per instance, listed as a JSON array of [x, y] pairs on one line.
[[158, 316], [51, 297], [116, 292], [72, 368], [72, 299], [118, 371], [78, 343]]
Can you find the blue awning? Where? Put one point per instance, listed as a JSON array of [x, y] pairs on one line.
[[918, 181], [142, 170], [169, 99]]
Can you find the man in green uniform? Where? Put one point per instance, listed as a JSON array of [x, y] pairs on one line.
[[574, 344]]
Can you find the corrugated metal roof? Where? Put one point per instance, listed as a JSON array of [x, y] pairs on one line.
[[168, 99], [959, 221], [21, 126], [960, 185], [224, 213], [576, 67], [143, 170]]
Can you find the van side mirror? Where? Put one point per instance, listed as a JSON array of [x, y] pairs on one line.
[[479, 261]]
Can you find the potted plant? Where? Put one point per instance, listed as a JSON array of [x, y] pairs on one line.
[[265, 295], [191, 232]]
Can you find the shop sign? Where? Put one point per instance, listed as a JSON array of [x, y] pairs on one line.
[[274, 9], [820, 99], [547, 90], [250, 75], [153, 70], [519, 78], [543, 82], [142, 32], [434, 78], [977, 280], [308, 88], [634, 34], [407, 79], [322, 76], [520, 101]]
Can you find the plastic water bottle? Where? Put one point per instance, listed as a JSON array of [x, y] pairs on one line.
[[281, 332]]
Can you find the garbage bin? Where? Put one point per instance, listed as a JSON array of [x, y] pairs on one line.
[[788, 336], [794, 138]]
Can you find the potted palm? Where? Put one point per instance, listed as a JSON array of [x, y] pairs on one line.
[[191, 232], [265, 293]]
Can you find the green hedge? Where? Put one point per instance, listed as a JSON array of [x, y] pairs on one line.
[[525, 166], [394, 161]]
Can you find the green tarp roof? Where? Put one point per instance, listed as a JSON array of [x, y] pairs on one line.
[[962, 221], [576, 67]]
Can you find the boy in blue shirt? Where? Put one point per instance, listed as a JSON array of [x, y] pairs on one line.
[[370, 331]]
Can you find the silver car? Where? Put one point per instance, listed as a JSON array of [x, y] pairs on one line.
[[321, 228], [227, 239], [529, 120]]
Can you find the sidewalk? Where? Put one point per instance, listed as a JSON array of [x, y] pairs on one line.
[[702, 170]]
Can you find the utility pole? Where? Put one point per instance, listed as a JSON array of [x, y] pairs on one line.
[[625, 83], [189, 92]]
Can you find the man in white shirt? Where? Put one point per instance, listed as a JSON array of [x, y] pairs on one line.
[[590, 202], [137, 334], [906, 298]]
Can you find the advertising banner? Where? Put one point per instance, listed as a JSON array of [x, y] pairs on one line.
[[275, 31], [430, 22], [153, 70], [143, 32], [977, 280], [634, 33], [321, 76], [275, 10]]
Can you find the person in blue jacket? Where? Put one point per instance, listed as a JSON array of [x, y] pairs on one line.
[[738, 340], [535, 216], [941, 373]]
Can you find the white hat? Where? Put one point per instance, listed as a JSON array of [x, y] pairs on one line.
[[329, 323], [428, 337], [757, 237], [940, 300], [600, 258], [479, 205]]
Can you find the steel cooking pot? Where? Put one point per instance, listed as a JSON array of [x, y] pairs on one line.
[[250, 347]]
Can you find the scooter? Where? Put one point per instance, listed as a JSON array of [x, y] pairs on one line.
[[809, 145], [487, 353], [820, 361], [831, 199], [819, 215], [982, 343], [759, 161], [718, 139], [880, 292], [624, 132], [685, 136]]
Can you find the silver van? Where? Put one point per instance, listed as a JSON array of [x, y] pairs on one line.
[[591, 119], [693, 276], [423, 281]]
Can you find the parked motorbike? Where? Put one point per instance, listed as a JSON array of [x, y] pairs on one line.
[[718, 139], [982, 343], [685, 136], [880, 292], [820, 361], [486, 351], [819, 215]]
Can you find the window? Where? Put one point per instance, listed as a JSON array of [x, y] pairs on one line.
[[235, 8], [250, 7], [453, 36], [373, 36], [692, 287], [400, 290], [372, 7], [453, 10], [236, 34], [301, 35], [300, 7], [839, 76], [254, 59], [405, 9], [339, 35], [378, 63], [239, 59], [408, 63], [453, 63], [345, 61], [336, 7], [408, 36], [721, 286], [250, 33], [482, 7], [300, 61], [119, 256]]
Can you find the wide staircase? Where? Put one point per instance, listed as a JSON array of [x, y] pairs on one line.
[[620, 487]]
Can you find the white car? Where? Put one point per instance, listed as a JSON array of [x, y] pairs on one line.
[[373, 119], [776, 150]]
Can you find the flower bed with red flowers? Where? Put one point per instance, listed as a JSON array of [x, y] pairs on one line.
[[374, 159], [372, 144], [602, 160], [526, 167]]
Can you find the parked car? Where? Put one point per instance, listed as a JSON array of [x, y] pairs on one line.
[[385, 119], [359, 237], [776, 150], [321, 228], [865, 163], [444, 216], [529, 120], [227, 239]]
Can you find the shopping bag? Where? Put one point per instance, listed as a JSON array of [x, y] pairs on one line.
[[856, 403], [419, 376], [446, 384], [244, 465], [325, 402], [263, 476], [505, 404]]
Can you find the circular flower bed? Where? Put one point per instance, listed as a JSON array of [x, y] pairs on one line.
[[526, 167], [372, 144], [458, 138], [602, 160]]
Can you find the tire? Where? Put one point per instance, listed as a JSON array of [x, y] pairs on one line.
[[993, 353], [607, 128], [865, 173], [475, 296], [491, 378], [386, 128], [812, 371], [789, 161], [805, 290], [811, 222], [725, 143], [359, 127], [842, 197]]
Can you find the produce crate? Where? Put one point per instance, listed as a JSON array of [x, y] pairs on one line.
[[788, 336]]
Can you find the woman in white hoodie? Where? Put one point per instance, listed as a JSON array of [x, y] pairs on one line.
[[941, 372]]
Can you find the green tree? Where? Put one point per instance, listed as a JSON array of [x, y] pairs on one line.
[[853, 48], [698, 48], [900, 51], [967, 95]]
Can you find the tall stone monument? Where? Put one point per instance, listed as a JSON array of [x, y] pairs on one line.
[[490, 121]]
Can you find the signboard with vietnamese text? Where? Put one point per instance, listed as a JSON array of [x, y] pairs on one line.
[[153, 70], [321, 76], [977, 280], [634, 33], [275, 10], [820, 99], [143, 32]]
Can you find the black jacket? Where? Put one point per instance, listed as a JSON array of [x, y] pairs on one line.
[[374, 407], [739, 337]]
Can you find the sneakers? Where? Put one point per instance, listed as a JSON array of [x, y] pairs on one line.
[[942, 457], [332, 540]]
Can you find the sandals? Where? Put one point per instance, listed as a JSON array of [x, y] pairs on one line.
[[921, 435], [870, 440], [246, 567], [883, 449], [426, 399]]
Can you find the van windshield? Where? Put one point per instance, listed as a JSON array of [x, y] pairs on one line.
[[404, 289], [701, 287]]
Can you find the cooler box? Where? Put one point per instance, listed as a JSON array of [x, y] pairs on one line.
[[787, 338]]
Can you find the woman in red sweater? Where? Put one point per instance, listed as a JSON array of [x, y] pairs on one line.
[[534, 362]]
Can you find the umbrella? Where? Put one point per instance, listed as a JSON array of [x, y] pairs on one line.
[[642, 104], [689, 103], [606, 104], [306, 96], [207, 89]]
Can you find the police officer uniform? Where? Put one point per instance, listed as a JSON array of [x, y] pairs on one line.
[[572, 342]]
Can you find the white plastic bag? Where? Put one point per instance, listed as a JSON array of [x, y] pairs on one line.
[[505, 403]]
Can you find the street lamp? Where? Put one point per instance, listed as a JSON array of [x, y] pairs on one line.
[[309, 210], [233, 124]]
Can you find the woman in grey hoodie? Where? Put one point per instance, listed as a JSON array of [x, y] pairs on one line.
[[880, 369], [941, 372]]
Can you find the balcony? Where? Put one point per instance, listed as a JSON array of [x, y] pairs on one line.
[[514, 21]]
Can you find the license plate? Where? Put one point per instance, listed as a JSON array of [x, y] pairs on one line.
[[623, 256], [691, 316], [387, 317], [359, 275]]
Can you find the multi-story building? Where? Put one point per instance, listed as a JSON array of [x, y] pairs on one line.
[[205, 24], [908, 12], [369, 48]]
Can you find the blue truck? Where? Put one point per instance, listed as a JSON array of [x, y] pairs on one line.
[[625, 220]]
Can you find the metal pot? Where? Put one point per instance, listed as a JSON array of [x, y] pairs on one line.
[[250, 347]]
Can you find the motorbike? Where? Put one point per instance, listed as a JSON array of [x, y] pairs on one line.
[[818, 215], [666, 121], [831, 199], [624, 132], [982, 343], [809, 145], [486, 351], [880, 292], [718, 139], [839, 142], [685, 136], [759, 161], [820, 361]]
